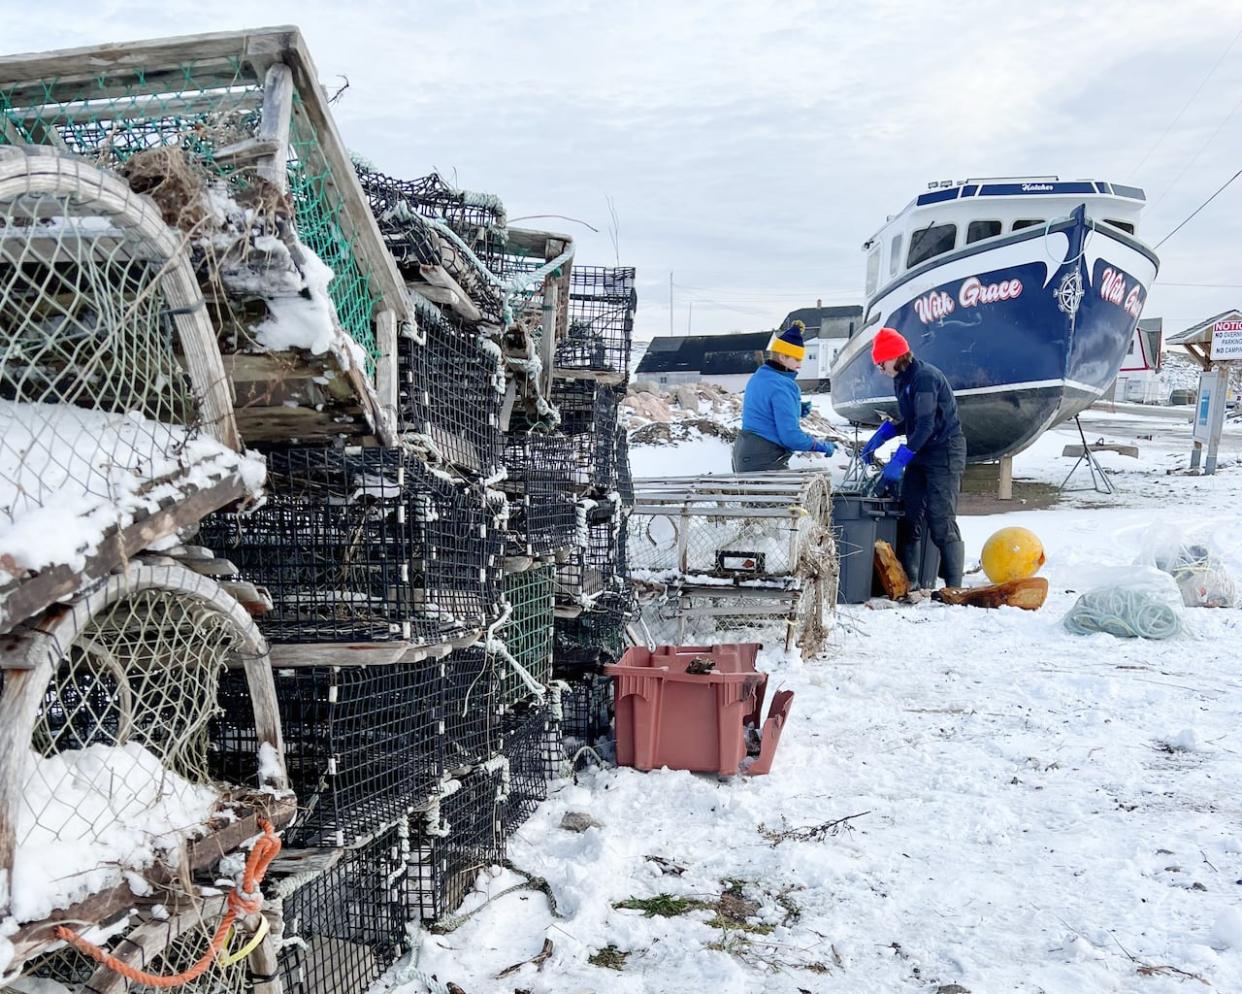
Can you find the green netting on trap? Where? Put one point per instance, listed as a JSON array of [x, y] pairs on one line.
[[205, 107], [527, 636]]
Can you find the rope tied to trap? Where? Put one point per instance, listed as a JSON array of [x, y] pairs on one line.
[[244, 900]]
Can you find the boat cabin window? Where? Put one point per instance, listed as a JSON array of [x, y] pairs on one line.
[[1028, 222], [894, 256], [928, 243], [1126, 226], [978, 230], [873, 270]]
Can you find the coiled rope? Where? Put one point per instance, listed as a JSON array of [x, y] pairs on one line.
[[1124, 613]]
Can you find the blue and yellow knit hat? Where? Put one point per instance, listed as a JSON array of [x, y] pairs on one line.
[[789, 342]]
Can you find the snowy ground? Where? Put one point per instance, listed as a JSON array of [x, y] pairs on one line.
[[1032, 811]]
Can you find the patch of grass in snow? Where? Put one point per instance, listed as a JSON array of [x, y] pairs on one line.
[[609, 958], [664, 905]]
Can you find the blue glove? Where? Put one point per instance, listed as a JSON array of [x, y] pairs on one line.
[[824, 446], [882, 435], [896, 467], [806, 408]]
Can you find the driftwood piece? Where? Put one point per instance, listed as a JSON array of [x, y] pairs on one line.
[[890, 571], [1028, 594]]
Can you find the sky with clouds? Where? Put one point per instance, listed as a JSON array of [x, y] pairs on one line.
[[751, 147]]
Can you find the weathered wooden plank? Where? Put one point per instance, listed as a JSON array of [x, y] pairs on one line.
[[438, 278], [71, 65], [890, 571], [140, 108], [611, 378], [274, 124], [34, 595], [1028, 594]]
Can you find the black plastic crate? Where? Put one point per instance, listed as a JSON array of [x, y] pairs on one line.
[[346, 925], [362, 743], [450, 390], [456, 838], [531, 744], [471, 709], [364, 545], [602, 303]]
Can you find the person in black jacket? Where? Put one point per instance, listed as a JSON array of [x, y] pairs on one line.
[[929, 466]]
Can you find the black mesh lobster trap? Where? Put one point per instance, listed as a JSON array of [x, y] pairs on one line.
[[454, 840], [586, 642], [531, 744], [590, 417], [595, 564], [475, 217], [364, 545], [344, 913], [471, 709], [586, 710], [541, 476], [602, 303], [362, 743], [450, 391], [526, 637]]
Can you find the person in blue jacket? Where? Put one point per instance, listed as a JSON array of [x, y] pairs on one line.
[[772, 408], [929, 466]]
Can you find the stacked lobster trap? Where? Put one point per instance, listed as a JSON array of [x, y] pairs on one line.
[[715, 556], [372, 431]]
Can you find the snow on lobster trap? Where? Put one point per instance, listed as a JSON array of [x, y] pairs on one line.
[[731, 553], [113, 402], [106, 792]]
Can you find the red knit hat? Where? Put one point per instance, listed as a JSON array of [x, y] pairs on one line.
[[888, 344]]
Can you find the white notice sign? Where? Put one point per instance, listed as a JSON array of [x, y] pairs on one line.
[[1227, 340]]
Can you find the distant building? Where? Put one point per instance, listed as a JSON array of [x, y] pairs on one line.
[[1139, 380], [728, 360]]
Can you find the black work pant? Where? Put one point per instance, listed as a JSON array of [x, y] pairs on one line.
[[929, 493], [755, 454]]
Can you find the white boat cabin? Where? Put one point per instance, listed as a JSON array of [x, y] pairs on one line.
[[952, 215]]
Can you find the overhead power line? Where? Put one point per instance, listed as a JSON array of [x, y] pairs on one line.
[[1199, 208]]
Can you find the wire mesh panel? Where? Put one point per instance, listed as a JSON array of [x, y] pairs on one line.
[[602, 303], [362, 744], [457, 838], [596, 636], [471, 708], [346, 925], [531, 745], [527, 635], [364, 545], [729, 527], [586, 710], [592, 566], [451, 388]]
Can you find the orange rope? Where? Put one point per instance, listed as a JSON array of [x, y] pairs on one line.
[[246, 900]]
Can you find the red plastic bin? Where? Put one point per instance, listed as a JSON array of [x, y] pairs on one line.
[[693, 721]]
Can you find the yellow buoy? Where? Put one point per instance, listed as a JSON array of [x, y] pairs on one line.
[[1012, 554]]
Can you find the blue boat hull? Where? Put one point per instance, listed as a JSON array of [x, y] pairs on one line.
[[1029, 330]]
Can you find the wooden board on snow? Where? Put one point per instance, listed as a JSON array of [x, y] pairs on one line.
[[1028, 594]]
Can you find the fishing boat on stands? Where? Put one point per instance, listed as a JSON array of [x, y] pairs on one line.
[[1025, 292]]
